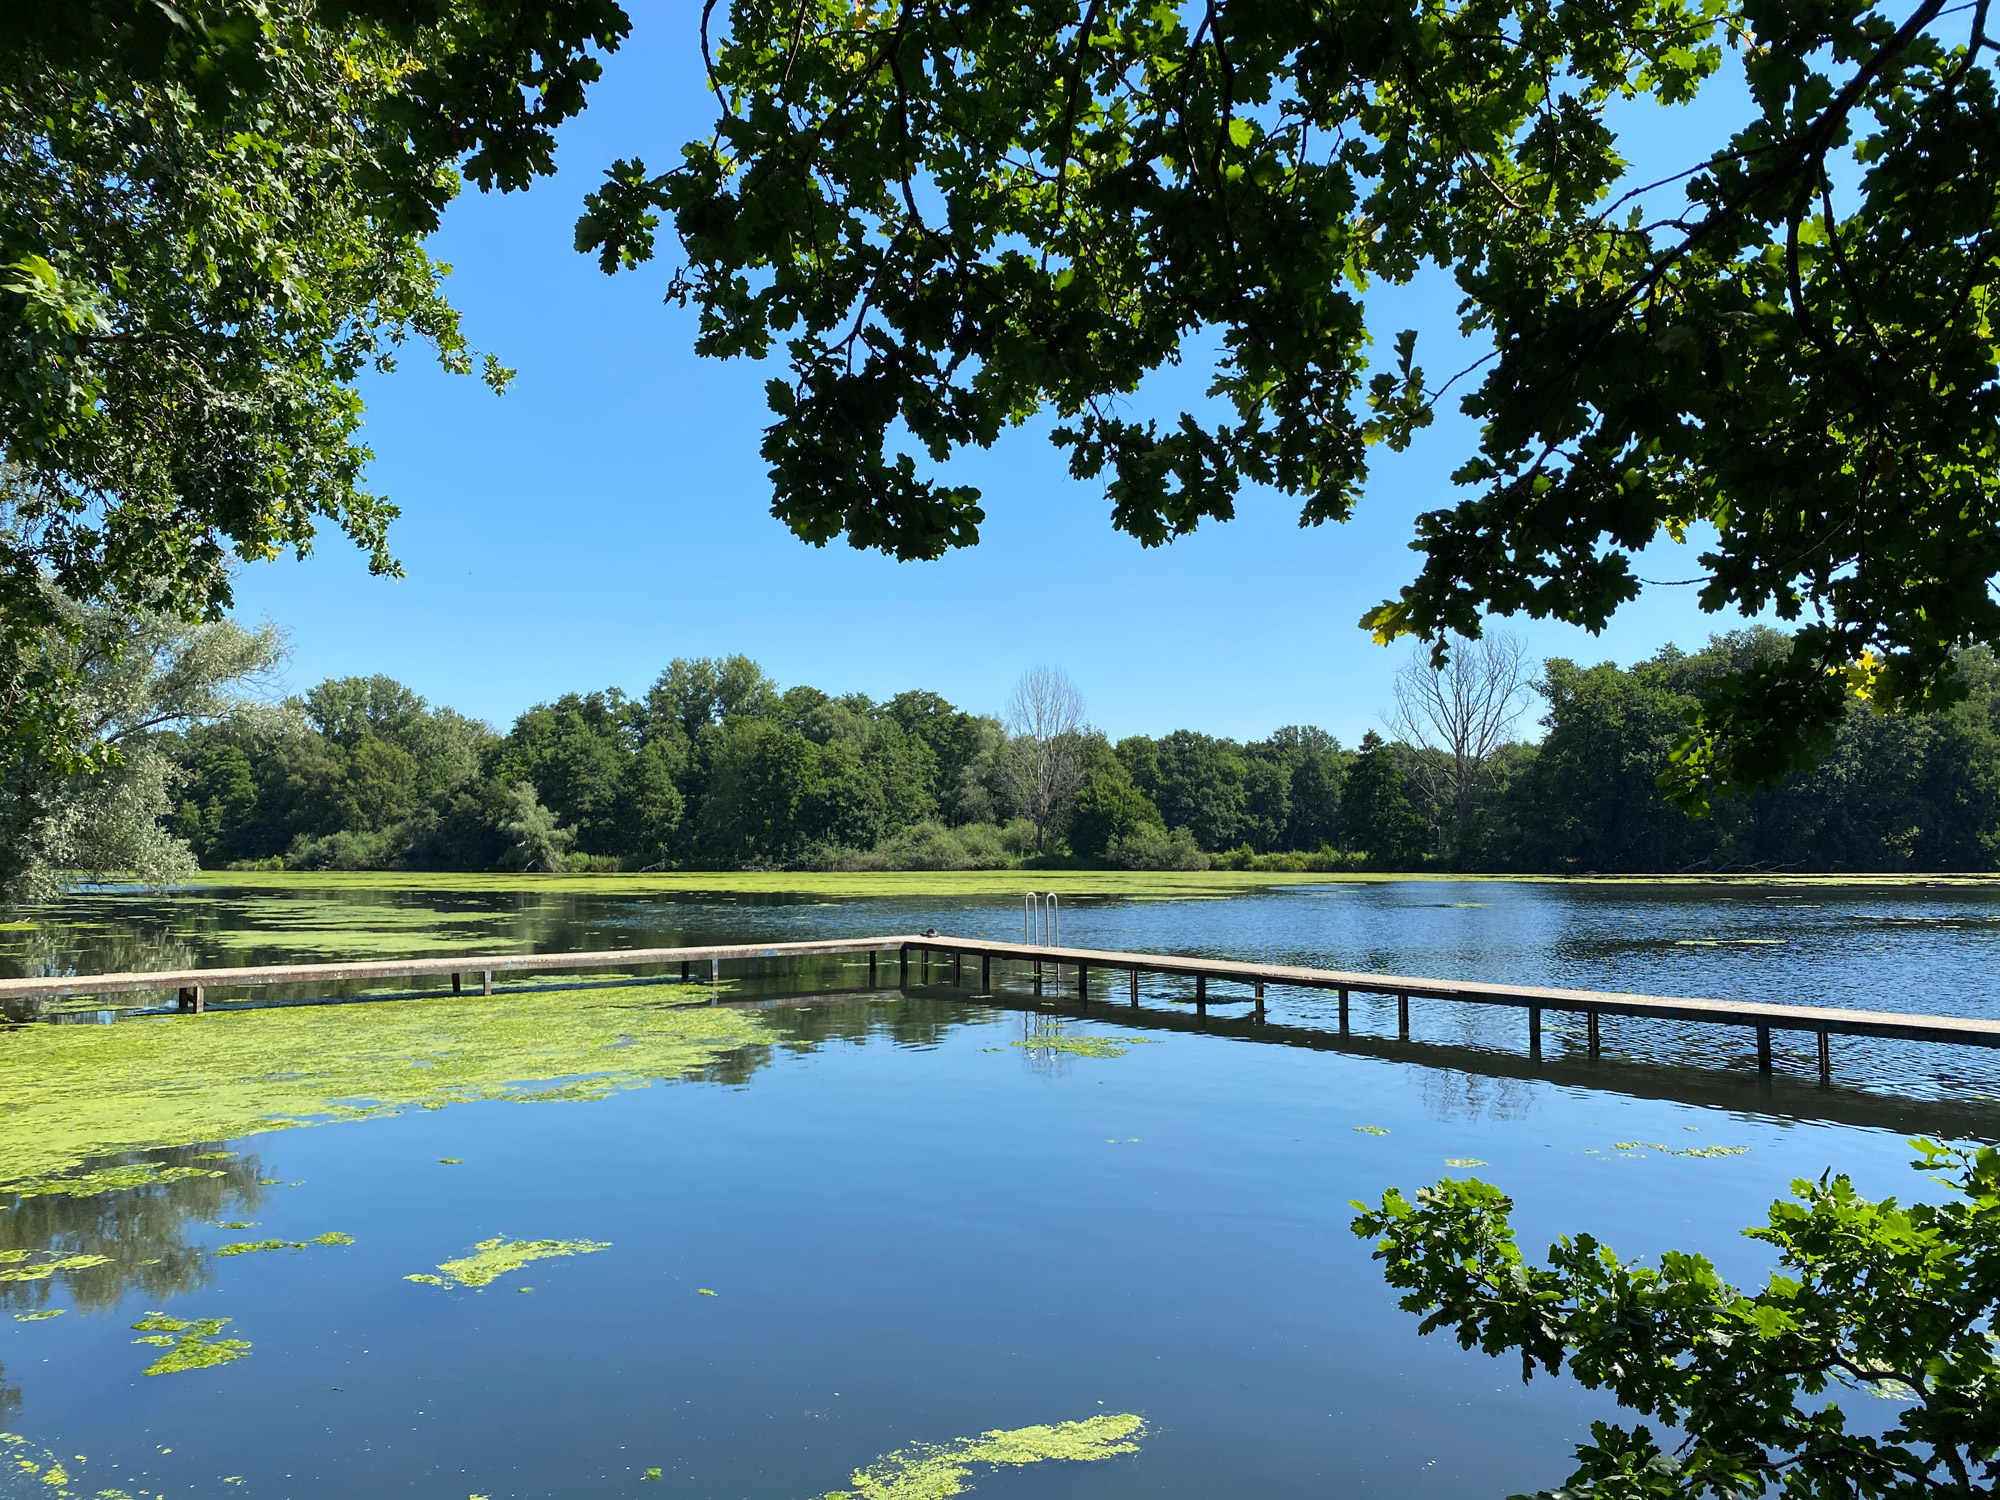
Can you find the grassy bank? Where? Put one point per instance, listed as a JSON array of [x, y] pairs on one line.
[[1130, 884]]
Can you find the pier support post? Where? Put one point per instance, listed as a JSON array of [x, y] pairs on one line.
[[903, 965], [1201, 994], [871, 971], [1590, 1025], [714, 974], [458, 984], [193, 999], [1260, 999], [1402, 1018], [686, 973], [1135, 989], [1343, 1012], [486, 983], [1825, 1062], [1535, 1032], [927, 966], [1083, 984], [1763, 1049], [958, 970], [985, 973]]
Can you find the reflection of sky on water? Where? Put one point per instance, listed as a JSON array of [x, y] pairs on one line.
[[915, 1230]]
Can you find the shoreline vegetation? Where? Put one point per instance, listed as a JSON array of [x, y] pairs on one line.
[[716, 771], [1087, 884]]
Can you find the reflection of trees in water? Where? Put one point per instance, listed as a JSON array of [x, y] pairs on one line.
[[807, 1026], [10, 1401], [141, 1229], [913, 1022], [58, 950]]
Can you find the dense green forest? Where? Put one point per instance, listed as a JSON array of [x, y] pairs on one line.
[[715, 767]]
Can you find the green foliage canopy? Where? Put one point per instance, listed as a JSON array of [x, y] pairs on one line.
[[212, 217], [947, 215], [1885, 1298]]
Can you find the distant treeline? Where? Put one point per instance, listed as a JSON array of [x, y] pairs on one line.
[[715, 768]]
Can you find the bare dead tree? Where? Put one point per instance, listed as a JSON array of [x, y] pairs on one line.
[[1465, 710], [1046, 717]]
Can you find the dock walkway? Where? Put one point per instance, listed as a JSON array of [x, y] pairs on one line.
[[1087, 968]]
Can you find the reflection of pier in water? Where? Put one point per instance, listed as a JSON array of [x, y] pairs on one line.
[[1108, 983]]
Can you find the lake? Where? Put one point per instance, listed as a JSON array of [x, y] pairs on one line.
[[760, 1245]]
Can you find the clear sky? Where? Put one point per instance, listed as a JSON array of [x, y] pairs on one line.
[[610, 512]]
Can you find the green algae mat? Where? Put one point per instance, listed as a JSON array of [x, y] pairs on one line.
[[75, 1093]]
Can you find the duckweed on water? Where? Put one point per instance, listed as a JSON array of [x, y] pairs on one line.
[[1086, 1046], [189, 1345], [37, 1317], [927, 1471], [1463, 1161], [494, 1258], [1369, 1130], [81, 1092]]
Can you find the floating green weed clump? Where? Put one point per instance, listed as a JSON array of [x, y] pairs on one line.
[[1463, 1161], [189, 1345], [37, 1317], [934, 1471], [103, 1180], [1633, 1148], [83, 1092], [1369, 1130], [1087, 1046], [16, 1265], [46, 1471], [331, 1237], [494, 1258]]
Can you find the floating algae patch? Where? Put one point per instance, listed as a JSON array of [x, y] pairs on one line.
[[190, 1344], [249, 1247], [29, 1469], [494, 1258], [16, 1265], [103, 1180], [40, 1317], [75, 1093], [933, 1471], [352, 930], [1086, 1046], [1635, 1148]]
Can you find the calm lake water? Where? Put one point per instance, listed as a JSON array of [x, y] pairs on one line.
[[871, 1220]]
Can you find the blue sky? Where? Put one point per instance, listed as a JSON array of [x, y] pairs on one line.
[[610, 512]]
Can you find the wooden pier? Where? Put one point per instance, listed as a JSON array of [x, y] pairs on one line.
[[1092, 974]]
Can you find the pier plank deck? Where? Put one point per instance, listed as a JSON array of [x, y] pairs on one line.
[[1763, 1017]]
